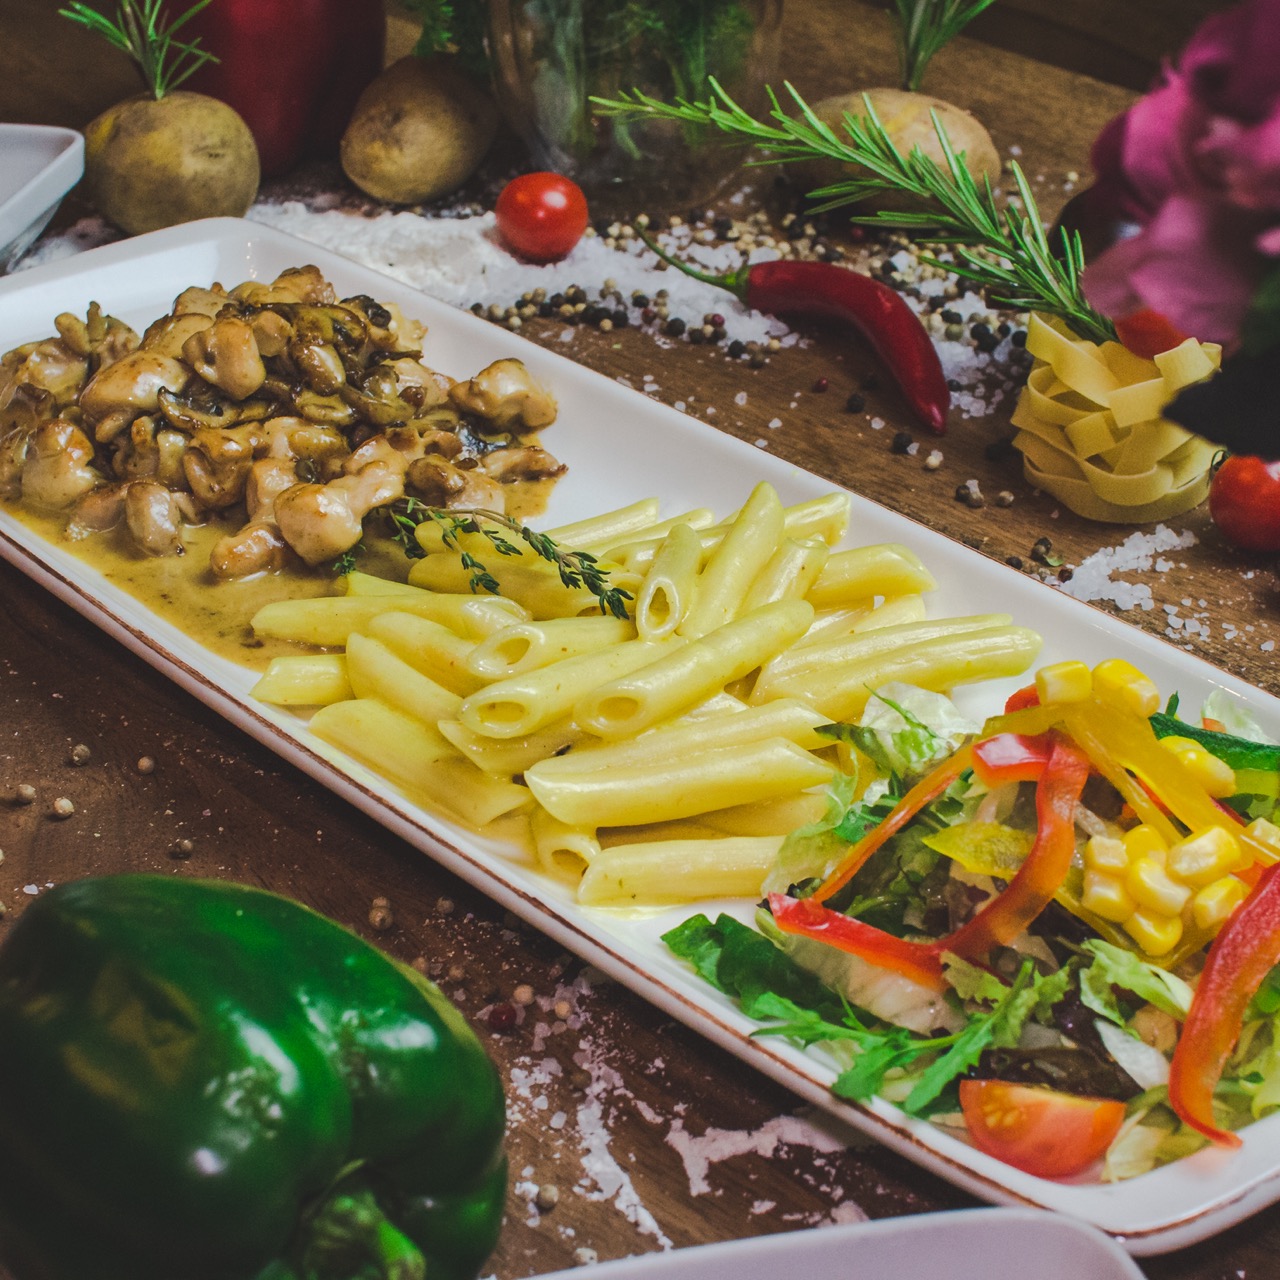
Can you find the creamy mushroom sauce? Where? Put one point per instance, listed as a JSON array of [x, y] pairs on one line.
[[182, 590]]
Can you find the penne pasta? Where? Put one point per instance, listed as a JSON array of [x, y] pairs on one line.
[[789, 575], [510, 757], [304, 680], [748, 545], [691, 673], [667, 591], [777, 817], [664, 789], [885, 569], [527, 646], [562, 850], [376, 672], [428, 647], [329, 620], [522, 704], [698, 518], [369, 584], [653, 873], [608, 526]]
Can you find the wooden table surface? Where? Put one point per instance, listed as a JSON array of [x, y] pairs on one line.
[[652, 1137]]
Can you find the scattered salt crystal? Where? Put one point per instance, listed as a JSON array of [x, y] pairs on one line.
[[774, 423], [1094, 577], [1267, 645], [740, 398], [877, 424], [679, 404], [761, 443]]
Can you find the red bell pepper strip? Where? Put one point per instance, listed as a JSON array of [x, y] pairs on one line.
[[1011, 757], [1062, 779], [1244, 952], [879, 313], [927, 790], [1027, 696]]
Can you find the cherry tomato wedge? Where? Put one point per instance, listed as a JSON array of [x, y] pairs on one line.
[[1040, 1131], [541, 216], [1244, 501]]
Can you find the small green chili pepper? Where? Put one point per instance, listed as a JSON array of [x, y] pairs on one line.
[[206, 1081]]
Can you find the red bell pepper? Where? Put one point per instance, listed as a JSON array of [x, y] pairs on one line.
[[1063, 774], [1027, 696], [293, 69], [1244, 952], [1011, 757]]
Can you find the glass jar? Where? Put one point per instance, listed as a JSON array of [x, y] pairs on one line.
[[550, 57]]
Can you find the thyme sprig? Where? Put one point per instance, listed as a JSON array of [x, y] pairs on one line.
[[577, 569], [924, 26], [1004, 249], [140, 30]]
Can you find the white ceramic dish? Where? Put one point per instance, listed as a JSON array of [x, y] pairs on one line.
[[975, 1244], [39, 164], [621, 446]]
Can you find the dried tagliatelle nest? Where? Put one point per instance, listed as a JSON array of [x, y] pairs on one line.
[[1091, 433], [275, 409]]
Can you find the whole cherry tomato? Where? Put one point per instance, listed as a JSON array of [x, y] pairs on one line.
[[1040, 1131], [541, 216], [1244, 501]]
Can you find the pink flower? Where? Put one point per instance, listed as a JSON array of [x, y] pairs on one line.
[[1196, 164]]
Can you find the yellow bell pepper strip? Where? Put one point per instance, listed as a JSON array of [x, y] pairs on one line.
[[1243, 953], [1062, 779], [925, 792]]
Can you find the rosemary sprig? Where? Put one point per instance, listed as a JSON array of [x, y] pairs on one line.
[[1005, 250], [141, 31], [576, 568], [924, 26]]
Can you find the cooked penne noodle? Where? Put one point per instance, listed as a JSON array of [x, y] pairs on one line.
[[791, 669], [608, 526], [522, 704], [789, 574], [698, 518], [885, 569], [428, 647], [748, 545], [664, 789], [777, 817], [389, 741], [329, 620], [356, 583], [531, 582], [939, 664], [530, 645], [788, 718], [561, 849], [654, 873], [509, 757], [691, 673], [304, 680], [376, 671], [667, 591]]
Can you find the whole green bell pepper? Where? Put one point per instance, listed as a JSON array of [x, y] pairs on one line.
[[206, 1081]]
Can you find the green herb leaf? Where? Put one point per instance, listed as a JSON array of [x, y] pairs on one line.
[[1113, 966], [924, 26]]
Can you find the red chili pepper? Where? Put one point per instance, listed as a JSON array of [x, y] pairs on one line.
[[878, 312], [1244, 952], [292, 68], [1063, 774], [1147, 333], [1011, 757]]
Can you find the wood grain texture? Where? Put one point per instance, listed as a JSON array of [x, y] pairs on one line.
[[652, 1137]]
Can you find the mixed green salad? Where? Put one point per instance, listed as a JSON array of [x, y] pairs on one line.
[[1056, 932]]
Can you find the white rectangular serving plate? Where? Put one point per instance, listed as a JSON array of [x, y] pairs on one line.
[[620, 447], [972, 1244]]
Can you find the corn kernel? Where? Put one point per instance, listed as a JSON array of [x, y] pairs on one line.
[[1216, 776], [1260, 831], [1064, 682], [1102, 853], [1116, 680], [1156, 935], [1204, 856], [1144, 841], [1216, 901], [1107, 897], [1153, 888]]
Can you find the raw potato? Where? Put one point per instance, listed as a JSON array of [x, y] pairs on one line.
[[419, 131], [151, 164], [906, 118]]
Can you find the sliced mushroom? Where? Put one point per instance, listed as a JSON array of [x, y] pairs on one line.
[[155, 516], [206, 302], [272, 332], [521, 462], [50, 365], [321, 521], [191, 415], [506, 396], [216, 464], [151, 451], [412, 376], [258, 546], [168, 334], [295, 284], [440, 484], [129, 387], [13, 459], [97, 511], [226, 355], [58, 465]]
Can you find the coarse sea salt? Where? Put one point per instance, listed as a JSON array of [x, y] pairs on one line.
[[1094, 578]]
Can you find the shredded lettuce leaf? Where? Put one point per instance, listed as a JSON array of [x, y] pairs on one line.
[[1113, 966]]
